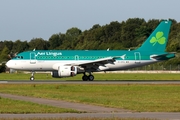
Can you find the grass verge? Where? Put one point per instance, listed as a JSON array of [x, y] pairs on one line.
[[142, 98]]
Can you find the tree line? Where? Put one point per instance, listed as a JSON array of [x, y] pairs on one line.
[[128, 34]]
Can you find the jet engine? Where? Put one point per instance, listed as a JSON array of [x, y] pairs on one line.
[[64, 71]]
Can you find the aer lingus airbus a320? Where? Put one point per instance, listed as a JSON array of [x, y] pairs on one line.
[[67, 63]]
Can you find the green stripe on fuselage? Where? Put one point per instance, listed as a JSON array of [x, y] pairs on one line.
[[84, 55]]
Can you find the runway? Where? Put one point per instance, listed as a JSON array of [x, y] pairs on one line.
[[92, 110], [151, 115], [91, 82]]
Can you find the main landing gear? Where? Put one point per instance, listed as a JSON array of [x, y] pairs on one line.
[[89, 77], [32, 76]]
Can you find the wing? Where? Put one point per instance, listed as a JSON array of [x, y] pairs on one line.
[[101, 61], [92, 65], [88, 64], [97, 65]]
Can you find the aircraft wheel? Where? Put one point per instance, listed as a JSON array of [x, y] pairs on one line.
[[91, 77], [32, 78], [85, 78]]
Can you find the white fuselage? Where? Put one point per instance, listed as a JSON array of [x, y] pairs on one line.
[[51, 65]]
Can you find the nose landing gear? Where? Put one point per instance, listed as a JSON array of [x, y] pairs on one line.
[[32, 76]]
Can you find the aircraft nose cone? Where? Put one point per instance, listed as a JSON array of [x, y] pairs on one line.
[[9, 64]]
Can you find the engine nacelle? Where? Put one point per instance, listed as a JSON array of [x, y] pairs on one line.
[[65, 71]]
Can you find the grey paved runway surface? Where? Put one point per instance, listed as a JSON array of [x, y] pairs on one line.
[[91, 82], [155, 115]]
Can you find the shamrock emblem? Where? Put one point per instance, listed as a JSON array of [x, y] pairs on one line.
[[159, 38]]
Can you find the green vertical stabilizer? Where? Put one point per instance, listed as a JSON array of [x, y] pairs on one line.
[[157, 41]]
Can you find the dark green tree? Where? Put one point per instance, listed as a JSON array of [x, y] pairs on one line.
[[8, 44], [38, 44], [4, 54], [20, 46], [73, 33], [129, 35], [71, 38], [56, 40]]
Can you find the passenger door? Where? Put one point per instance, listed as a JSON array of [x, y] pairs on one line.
[[137, 57], [32, 58]]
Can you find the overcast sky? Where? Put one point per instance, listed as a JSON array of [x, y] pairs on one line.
[[27, 19]]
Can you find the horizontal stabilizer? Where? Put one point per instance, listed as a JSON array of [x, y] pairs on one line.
[[158, 57]]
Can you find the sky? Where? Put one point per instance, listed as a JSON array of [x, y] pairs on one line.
[[28, 19]]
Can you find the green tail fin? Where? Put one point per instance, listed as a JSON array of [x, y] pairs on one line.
[[157, 41]]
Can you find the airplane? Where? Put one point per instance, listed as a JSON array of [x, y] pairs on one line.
[[68, 63]]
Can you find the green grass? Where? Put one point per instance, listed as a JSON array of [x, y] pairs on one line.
[[23, 107], [143, 98], [98, 76]]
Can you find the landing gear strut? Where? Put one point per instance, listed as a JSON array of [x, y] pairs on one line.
[[32, 76], [86, 78]]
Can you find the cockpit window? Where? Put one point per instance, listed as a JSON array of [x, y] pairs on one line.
[[19, 57]]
